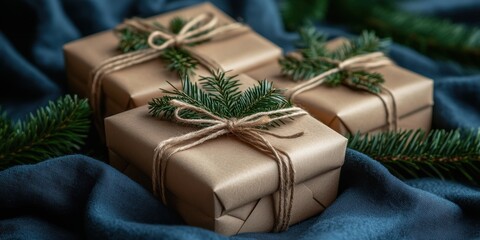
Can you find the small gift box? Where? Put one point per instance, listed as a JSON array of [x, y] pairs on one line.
[[135, 85], [404, 99], [230, 184]]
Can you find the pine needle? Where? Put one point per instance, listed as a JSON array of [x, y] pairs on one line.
[[178, 60], [434, 36], [316, 59], [410, 154], [54, 130], [296, 13], [220, 95]]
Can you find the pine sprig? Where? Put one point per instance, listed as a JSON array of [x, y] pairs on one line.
[[434, 36], [54, 130], [296, 13], [447, 41], [220, 95], [412, 154], [316, 59], [178, 60], [224, 90], [367, 42]]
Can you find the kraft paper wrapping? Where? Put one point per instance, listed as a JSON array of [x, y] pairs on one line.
[[136, 85], [224, 184], [350, 111]]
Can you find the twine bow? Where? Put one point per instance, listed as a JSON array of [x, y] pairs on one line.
[[246, 129], [361, 62], [202, 27]]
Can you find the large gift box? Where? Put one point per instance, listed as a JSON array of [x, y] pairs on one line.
[[225, 184], [136, 85], [350, 111]]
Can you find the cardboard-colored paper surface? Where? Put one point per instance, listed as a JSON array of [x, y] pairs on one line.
[[136, 85], [224, 184], [350, 111]]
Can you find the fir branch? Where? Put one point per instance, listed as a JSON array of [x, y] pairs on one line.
[[220, 95], [316, 59], [301, 69], [262, 97], [132, 40], [436, 37], [367, 42], [411, 154], [54, 130], [177, 59], [224, 90], [176, 24], [312, 42], [180, 61], [296, 13], [190, 93]]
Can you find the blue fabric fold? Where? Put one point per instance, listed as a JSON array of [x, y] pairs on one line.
[[79, 197], [76, 197]]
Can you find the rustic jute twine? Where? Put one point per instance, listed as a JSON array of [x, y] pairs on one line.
[[201, 28], [361, 62], [245, 129]]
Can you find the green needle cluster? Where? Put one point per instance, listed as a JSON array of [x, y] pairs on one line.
[[316, 59], [411, 154], [54, 130], [178, 60], [220, 95]]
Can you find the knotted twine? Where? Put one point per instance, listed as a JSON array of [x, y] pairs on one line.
[[245, 129], [360, 62], [201, 28]]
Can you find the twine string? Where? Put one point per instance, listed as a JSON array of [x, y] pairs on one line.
[[361, 62], [246, 130], [201, 28]]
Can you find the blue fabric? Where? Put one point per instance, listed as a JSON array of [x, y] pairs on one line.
[[79, 197]]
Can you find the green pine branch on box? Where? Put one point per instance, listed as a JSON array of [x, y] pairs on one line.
[[316, 59], [178, 59], [220, 95], [412, 154], [54, 130]]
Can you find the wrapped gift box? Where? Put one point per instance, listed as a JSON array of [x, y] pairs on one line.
[[349, 111], [224, 184], [135, 86]]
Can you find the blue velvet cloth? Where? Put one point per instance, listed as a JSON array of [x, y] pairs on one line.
[[79, 197]]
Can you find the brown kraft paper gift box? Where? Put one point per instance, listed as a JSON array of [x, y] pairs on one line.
[[224, 184], [136, 85], [349, 111]]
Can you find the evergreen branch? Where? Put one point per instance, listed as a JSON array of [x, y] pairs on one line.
[[411, 154], [367, 42], [191, 94], [447, 41], [301, 69], [223, 89], [368, 81], [176, 24], [433, 36], [178, 60], [296, 13], [54, 130], [316, 59], [221, 96], [262, 97], [132, 40]]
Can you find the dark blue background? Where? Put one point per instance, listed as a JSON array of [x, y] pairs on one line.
[[77, 197]]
